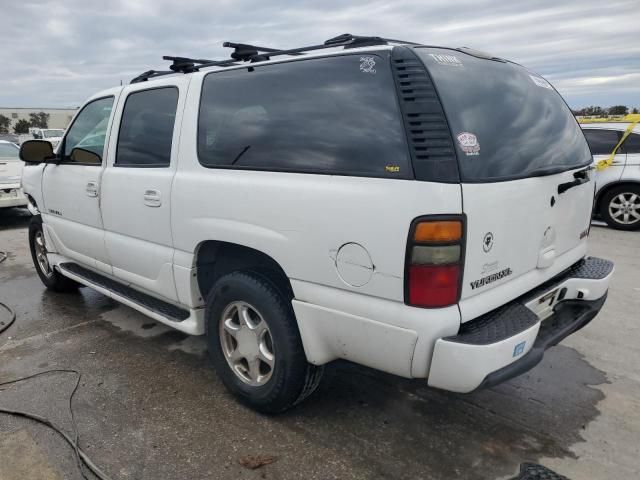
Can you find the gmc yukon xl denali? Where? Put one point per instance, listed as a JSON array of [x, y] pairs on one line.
[[419, 210]]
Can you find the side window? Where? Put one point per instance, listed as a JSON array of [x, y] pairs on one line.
[[89, 130], [631, 144], [146, 129], [602, 142], [333, 115]]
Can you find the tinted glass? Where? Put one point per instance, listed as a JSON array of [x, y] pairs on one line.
[[602, 142], [8, 151], [146, 129], [89, 129], [328, 115], [506, 122], [632, 144]]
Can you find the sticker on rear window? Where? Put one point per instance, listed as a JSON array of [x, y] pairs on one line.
[[449, 60], [469, 143], [367, 65], [541, 82]]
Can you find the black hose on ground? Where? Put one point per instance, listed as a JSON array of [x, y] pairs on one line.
[[81, 457]]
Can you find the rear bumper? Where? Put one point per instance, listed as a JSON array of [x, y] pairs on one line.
[[18, 201], [569, 317], [509, 341]]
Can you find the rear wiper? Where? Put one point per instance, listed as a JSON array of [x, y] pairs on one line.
[[242, 152]]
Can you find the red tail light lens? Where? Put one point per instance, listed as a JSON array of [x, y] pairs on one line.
[[435, 286], [434, 262]]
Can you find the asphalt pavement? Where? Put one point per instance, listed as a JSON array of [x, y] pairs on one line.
[[149, 406]]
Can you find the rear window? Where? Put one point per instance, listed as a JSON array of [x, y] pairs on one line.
[[333, 115], [506, 121]]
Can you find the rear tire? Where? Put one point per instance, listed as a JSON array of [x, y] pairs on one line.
[[251, 327], [620, 207], [52, 279]]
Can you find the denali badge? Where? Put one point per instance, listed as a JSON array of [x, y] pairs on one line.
[[490, 278]]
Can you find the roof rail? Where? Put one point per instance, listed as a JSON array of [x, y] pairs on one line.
[[253, 53]]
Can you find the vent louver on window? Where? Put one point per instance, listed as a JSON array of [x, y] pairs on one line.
[[428, 135]]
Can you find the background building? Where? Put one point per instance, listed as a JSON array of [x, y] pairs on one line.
[[58, 117]]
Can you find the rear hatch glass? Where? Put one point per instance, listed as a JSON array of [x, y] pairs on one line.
[[507, 122]]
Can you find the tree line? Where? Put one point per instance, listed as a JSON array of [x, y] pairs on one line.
[[36, 120], [595, 111]]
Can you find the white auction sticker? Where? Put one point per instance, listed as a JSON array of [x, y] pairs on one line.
[[448, 60], [541, 82], [469, 143], [367, 65]]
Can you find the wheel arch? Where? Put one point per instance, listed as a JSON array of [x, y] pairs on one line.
[[608, 187], [215, 259]]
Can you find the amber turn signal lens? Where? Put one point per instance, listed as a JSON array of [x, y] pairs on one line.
[[440, 231]]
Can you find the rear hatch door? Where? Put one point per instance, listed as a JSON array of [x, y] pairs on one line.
[[525, 170]]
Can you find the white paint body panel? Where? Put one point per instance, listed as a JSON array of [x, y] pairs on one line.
[[533, 238]]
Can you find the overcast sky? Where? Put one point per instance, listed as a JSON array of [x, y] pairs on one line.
[[57, 53]]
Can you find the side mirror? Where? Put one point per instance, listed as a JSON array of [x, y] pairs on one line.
[[81, 155], [36, 151]]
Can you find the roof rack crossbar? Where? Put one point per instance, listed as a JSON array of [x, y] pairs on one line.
[[253, 53]]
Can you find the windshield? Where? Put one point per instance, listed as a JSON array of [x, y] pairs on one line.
[[53, 133], [8, 151], [506, 121]]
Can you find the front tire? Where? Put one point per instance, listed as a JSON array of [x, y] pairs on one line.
[[52, 279], [620, 207], [255, 345]]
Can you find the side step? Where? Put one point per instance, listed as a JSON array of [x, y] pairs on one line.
[[155, 305]]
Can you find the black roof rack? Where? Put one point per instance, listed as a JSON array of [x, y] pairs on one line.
[[252, 53]]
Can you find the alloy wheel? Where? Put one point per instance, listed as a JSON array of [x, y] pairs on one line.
[[624, 208], [41, 254], [246, 343]]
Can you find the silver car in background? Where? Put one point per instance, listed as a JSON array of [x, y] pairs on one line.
[[617, 199], [11, 194]]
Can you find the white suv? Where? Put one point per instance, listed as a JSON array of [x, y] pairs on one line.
[[618, 185], [399, 206]]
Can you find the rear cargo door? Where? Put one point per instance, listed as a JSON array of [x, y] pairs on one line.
[[525, 169]]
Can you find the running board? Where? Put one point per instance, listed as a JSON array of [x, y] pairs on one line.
[[170, 314]]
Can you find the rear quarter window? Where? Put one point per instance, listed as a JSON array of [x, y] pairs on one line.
[[332, 115]]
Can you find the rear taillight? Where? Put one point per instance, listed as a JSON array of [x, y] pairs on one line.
[[434, 261]]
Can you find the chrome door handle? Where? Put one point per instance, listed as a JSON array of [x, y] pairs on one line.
[[91, 189], [152, 198]]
